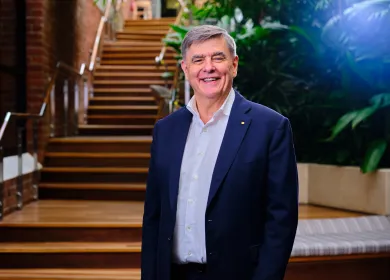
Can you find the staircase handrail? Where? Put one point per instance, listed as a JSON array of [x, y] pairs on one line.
[[98, 38], [35, 117]]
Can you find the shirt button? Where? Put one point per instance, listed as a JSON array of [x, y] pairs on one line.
[[200, 153], [190, 201], [195, 177], [189, 253], [204, 129], [188, 228]]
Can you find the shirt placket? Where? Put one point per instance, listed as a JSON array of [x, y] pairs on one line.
[[195, 189]]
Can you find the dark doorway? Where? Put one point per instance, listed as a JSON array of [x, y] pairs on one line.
[[12, 66], [168, 8]]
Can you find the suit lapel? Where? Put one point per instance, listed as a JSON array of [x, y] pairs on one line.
[[179, 138], [236, 129]]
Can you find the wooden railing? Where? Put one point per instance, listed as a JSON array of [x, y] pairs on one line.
[[106, 28], [49, 100], [71, 116]]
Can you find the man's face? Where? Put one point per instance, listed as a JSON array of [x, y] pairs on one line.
[[210, 68]]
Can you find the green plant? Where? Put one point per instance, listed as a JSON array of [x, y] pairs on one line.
[[323, 64], [360, 35]]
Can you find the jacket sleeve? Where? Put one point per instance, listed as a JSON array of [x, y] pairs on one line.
[[151, 218], [281, 206]]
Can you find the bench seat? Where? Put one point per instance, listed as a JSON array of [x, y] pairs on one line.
[[342, 236]]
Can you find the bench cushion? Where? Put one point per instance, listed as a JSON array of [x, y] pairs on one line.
[[322, 237]]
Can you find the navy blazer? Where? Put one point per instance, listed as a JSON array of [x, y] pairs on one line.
[[252, 209]]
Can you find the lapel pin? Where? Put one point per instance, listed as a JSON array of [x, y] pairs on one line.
[[242, 122]]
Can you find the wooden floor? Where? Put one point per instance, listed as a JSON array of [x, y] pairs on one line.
[[114, 213], [78, 240]]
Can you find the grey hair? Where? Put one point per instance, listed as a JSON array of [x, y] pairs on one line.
[[202, 33]]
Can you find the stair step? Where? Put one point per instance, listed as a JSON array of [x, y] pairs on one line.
[[94, 186], [124, 101], [94, 174], [99, 130], [136, 31], [152, 24], [153, 38], [122, 92], [94, 170], [132, 68], [134, 107], [71, 274], [76, 221], [77, 159], [100, 144], [122, 119], [146, 21], [134, 49], [127, 76], [117, 110], [70, 255], [95, 191], [129, 55], [134, 43], [130, 82], [164, 26], [135, 62], [69, 247], [123, 110]]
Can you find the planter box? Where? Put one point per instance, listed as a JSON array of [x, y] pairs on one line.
[[303, 177], [345, 188]]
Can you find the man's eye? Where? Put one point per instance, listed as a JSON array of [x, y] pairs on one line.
[[197, 60], [218, 58]]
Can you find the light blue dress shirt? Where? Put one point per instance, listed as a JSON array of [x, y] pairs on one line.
[[200, 154]]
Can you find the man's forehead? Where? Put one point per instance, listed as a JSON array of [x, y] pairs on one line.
[[208, 53], [209, 46]]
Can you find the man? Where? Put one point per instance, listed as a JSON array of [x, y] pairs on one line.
[[222, 192]]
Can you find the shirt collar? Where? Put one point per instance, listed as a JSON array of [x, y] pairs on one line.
[[225, 108]]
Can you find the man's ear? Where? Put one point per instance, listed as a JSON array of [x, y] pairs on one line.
[[235, 66], [184, 68]]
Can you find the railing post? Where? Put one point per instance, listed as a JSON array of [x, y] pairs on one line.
[[66, 106], [19, 188], [86, 99], [76, 107], [35, 155], [52, 112], [1, 183]]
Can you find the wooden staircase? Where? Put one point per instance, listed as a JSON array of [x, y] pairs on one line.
[[87, 223]]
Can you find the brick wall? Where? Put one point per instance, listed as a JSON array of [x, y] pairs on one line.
[[10, 190], [40, 62], [88, 18], [8, 65], [56, 30]]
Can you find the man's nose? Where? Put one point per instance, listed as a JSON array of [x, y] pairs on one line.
[[208, 65]]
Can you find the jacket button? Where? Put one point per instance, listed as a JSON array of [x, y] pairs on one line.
[[169, 239]]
